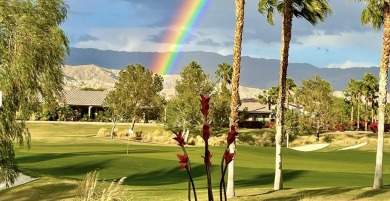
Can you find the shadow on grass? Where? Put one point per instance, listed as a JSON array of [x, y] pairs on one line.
[[371, 193], [268, 179], [40, 157], [68, 171], [164, 176], [48, 192]]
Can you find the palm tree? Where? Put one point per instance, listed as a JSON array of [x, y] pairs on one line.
[[370, 87], [224, 73], [313, 11], [235, 84], [350, 94], [377, 13], [269, 97]]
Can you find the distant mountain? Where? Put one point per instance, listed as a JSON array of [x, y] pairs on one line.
[[255, 72], [93, 76]]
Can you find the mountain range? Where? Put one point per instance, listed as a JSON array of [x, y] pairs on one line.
[[255, 72]]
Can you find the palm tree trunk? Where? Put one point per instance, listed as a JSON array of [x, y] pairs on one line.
[[235, 84], [383, 73], [352, 117], [358, 112], [284, 51], [366, 115]]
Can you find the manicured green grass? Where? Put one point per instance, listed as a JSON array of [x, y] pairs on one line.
[[153, 170]]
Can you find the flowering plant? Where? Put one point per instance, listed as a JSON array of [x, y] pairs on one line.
[[226, 158]]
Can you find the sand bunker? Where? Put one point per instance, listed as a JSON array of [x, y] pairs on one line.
[[311, 147], [21, 179], [354, 146]]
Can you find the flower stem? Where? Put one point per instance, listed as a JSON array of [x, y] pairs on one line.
[[192, 183]]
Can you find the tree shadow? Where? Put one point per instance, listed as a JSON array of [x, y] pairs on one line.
[[48, 192], [312, 193], [40, 157], [371, 193], [268, 179], [68, 171]]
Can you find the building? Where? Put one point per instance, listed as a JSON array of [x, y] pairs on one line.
[[85, 102], [254, 111]]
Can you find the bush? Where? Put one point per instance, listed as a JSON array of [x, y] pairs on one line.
[[247, 138], [250, 124], [106, 132]]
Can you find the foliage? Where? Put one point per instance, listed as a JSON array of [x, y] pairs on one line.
[[183, 110], [91, 89], [316, 97], [220, 110], [136, 94], [269, 97], [89, 190], [32, 49]]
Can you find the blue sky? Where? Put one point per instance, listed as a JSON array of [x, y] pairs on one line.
[[137, 25]]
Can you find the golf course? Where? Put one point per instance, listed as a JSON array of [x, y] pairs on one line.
[[61, 154]]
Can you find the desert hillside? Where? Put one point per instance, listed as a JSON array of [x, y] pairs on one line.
[[93, 76]]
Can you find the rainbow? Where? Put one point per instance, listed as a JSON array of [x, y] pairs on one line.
[[184, 22]]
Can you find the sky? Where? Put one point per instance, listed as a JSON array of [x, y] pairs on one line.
[[139, 25]]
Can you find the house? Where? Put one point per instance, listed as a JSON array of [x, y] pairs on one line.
[[85, 102], [254, 111]]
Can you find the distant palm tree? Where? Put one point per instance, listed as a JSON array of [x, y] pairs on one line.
[[290, 86], [370, 88], [235, 85], [377, 13], [224, 73], [269, 97], [313, 11]]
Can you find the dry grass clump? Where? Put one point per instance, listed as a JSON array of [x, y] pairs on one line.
[[89, 190]]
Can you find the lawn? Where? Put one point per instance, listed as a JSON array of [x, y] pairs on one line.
[[61, 155]]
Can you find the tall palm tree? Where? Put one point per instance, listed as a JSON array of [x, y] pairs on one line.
[[377, 14], [313, 11], [235, 84]]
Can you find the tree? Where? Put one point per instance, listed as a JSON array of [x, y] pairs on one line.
[[135, 94], [377, 14], [354, 93], [313, 11], [318, 109], [269, 97], [290, 86], [32, 49], [183, 110], [370, 89], [224, 73], [235, 98]]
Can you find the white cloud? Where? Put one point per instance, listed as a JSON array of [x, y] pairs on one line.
[[319, 38], [350, 64]]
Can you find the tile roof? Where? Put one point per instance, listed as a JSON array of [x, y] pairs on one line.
[[254, 107], [85, 98]]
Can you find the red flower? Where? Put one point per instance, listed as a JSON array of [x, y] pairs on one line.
[[179, 138], [206, 131], [183, 160], [232, 135], [207, 158], [228, 156], [204, 101]]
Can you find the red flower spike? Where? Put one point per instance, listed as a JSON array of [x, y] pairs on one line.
[[204, 101], [206, 131], [183, 160], [232, 135], [228, 156], [207, 158], [179, 138]]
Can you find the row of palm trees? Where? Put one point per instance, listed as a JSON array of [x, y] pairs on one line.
[[377, 14]]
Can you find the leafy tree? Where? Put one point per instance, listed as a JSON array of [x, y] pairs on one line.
[[32, 49], [183, 110], [377, 14], [320, 94], [311, 10], [135, 94]]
